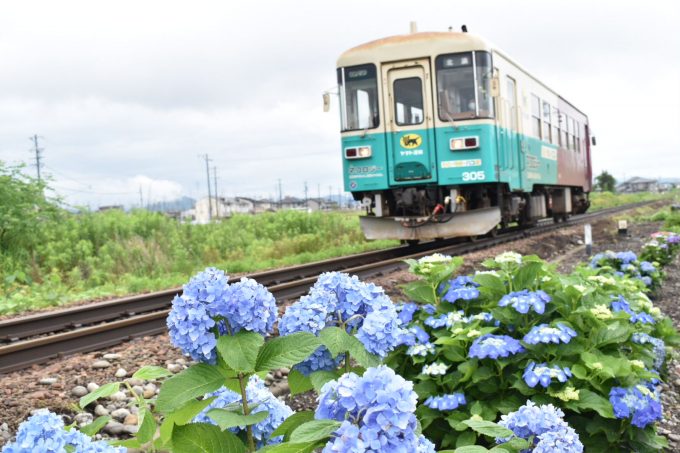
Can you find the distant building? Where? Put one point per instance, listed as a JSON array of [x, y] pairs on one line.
[[637, 184], [110, 208]]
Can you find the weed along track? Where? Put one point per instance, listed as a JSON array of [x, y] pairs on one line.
[[39, 337]]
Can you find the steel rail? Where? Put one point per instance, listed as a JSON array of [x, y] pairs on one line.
[[21, 354]]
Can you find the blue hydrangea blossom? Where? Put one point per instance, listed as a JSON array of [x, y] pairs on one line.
[[44, 432], [658, 347], [544, 333], [544, 374], [494, 346], [377, 411], [259, 399], [639, 403], [524, 300], [460, 288], [445, 402]]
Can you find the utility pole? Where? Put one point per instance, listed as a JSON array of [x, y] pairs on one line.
[[217, 200], [141, 199], [38, 153], [207, 171], [306, 198], [280, 194], [339, 198]]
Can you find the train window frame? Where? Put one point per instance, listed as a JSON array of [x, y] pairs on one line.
[[547, 123], [374, 101], [446, 115], [397, 103], [536, 123]]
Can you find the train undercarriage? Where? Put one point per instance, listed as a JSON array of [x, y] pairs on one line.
[[429, 212]]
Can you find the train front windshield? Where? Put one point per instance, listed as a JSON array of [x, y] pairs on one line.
[[358, 97], [463, 86]]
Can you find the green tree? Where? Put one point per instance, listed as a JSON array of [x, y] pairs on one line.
[[605, 182]]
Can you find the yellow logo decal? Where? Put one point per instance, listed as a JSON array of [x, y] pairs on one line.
[[411, 140]]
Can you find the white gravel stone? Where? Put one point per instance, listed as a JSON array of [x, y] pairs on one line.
[[84, 418], [118, 396], [47, 381], [101, 364], [120, 414], [138, 389], [79, 391], [121, 373], [175, 368], [135, 381], [100, 410], [92, 386], [114, 428], [111, 356]]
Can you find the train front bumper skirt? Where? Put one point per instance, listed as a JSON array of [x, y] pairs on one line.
[[469, 223]]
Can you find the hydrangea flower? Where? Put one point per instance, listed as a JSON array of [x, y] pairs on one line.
[[621, 304], [626, 257], [429, 309], [544, 333], [406, 312], [460, 288], [338, 299], [524, 300], [445, 402], [435, 369], [637, 402], [494, 346], [413, 335], [547, 426], [509, 257], [44, 432], [209, 306], [259, 399], [658, 347], [426, 264], [445, 320], [377, 411], [544, 374], [647, 267], [482, 316], [422, 350]]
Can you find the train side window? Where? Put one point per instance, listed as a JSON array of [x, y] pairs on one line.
[[577, 131], [512, 103], [563, 129], [555, 126], [536, 116], [570, 133], [547, 133], [408, 101]]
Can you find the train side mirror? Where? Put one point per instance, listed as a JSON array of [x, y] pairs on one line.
[[326, 102], [495, 87], [593, 141]]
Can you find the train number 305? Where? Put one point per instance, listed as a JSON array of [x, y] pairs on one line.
[[473, 176]]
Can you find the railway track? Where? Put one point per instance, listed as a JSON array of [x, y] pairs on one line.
[[36, 338]]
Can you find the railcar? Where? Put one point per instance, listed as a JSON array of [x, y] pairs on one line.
[[445, 135]]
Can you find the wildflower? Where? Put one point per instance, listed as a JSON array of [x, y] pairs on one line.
[[544, 374], [494, 346], [601, 311], [435, 369], [445, 402], [523, 301], [638, 403], [509, 257], [460, 288], [546, 425], [544, 333], [377, 411], [44, 432], [259, 399]]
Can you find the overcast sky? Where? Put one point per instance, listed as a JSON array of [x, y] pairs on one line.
[[128, 94]]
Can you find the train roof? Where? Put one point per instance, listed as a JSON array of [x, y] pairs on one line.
[[416, 45]]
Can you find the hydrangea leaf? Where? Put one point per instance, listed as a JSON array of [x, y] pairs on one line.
[[466, 438], [205, 438], [336, 340], [239, 351], [102, 392], [617, 332], [319, 378], [191, 383], [314, 430], [298, 382], [420, 291], [147, 426], [291, 423], [226, 419], [286, 351], [93, 428], [487, 428], [490, 283], [151, 372], [591, 400], [527, 275], [305, 447]]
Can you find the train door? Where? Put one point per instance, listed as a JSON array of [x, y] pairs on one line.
[[410, 133], [512, 145]]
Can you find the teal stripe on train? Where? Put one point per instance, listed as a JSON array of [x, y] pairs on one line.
[[502, 156]]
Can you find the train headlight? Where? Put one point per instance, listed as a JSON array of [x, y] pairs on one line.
[[457, 144], [360, 152]]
